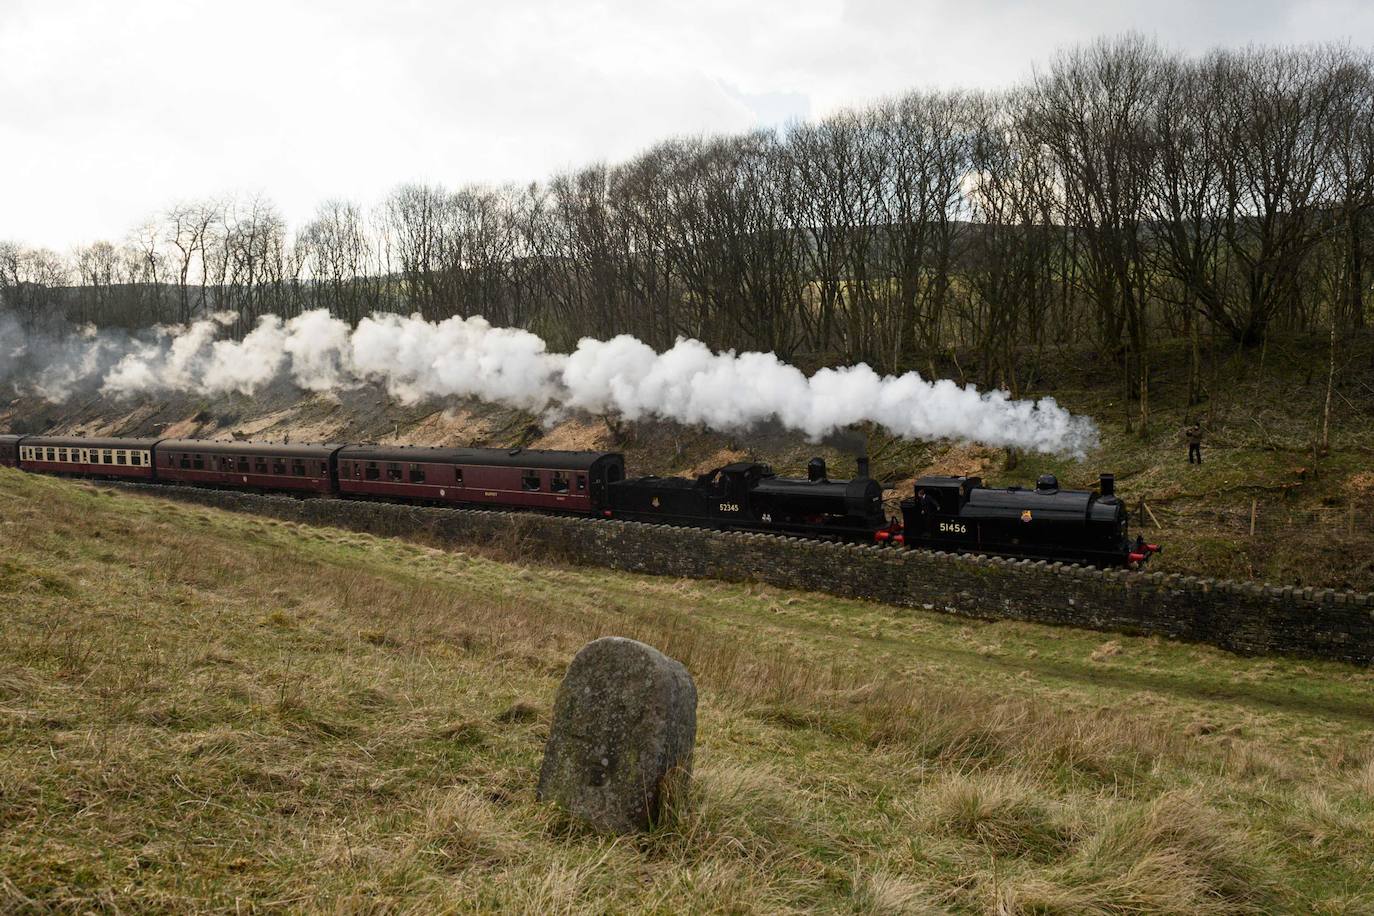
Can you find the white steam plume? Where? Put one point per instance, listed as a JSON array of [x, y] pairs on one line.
[[689, 383]]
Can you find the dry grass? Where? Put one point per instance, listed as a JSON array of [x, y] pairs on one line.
[[201, 711]]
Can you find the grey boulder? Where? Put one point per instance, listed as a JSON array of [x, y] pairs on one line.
[[624, 725]]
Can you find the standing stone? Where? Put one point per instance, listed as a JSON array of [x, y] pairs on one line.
[[624, 724]]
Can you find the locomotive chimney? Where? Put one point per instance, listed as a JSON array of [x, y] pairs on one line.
[[1108, 486], [861, 466], [815, 469]]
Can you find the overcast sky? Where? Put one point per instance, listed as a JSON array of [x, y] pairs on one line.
[[111, 109]]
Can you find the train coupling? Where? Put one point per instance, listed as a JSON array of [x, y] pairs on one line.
[[892, 534], [1143, 552]]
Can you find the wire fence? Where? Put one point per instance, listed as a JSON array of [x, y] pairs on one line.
[[1261, 518]]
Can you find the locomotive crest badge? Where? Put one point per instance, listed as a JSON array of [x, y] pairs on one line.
[[1026, 515]]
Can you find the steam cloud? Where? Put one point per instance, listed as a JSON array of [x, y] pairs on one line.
[[416, 359]]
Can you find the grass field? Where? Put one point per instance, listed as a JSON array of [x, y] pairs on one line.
[[207, 711]]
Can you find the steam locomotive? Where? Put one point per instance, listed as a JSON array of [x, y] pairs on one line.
[[956, 514]]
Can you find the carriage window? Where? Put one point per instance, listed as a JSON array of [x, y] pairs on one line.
[[558, 483], [278, 466], [372, 472], [52, 454], [243, 465], [186, 461], [458, 476], [529, 480], [121, 457], [226, 464], [298, 468], [393, 472], [581, 482], [106, 457], [324, 468], [198, 462], [135, 458], [417, 474], [62, 454], [259, 464]]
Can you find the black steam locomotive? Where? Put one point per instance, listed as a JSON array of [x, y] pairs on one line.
[[749, 497], [960, 514]]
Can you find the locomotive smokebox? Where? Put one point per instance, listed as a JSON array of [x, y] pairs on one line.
[[1108, 484], [861, 466], [815, 469]]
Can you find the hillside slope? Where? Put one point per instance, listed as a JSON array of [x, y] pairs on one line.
[[1268, 503], [201, 710]]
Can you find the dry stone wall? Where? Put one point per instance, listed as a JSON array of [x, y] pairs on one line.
[[1242, 617]]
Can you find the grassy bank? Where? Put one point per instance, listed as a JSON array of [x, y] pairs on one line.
[[207, 711]]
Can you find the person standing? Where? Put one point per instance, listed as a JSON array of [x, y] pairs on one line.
[[1193, 433], [929, 509]]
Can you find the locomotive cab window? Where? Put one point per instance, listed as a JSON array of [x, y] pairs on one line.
[[529, 480], [558, 482], [373, 473], [417, 474]]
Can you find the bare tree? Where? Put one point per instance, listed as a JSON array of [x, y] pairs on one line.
[[1092, 111]]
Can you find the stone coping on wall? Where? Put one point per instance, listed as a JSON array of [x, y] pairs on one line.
[[1246, 617]]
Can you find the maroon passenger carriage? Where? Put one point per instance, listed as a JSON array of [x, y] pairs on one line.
[[253, 465], [519, 478], [130, 459], [9, 451]]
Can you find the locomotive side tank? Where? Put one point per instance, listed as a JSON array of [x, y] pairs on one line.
[[749, 496], [960, 514]]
